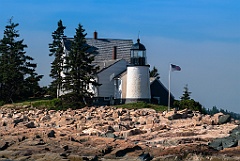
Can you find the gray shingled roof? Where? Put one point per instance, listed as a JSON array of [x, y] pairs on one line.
[[105, 64], [105, 48]]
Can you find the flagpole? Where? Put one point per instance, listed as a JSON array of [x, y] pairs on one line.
[[171, 68], [169, 87]]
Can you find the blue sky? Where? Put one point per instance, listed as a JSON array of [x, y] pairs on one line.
[[201, 36]]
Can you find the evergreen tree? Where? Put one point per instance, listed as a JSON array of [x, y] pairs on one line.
[[186, 94], [79, 71], [154, 72], [15, 65], [188, 103], [32, 87], [56, 49]]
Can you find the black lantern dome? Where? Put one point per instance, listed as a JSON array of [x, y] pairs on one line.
[[138, 46], [138, 54]]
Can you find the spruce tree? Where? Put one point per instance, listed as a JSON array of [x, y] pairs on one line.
[[32, 87], [154, 72], [187, 102], [56, 49], [186, 94], [79, 71], [15, 65]]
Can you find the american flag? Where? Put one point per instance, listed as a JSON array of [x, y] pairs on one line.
[[175, 68]]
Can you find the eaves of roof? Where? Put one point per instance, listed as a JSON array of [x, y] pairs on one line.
[[120, 74], [107, 64]]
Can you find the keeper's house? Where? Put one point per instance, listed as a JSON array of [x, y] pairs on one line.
[[123, 73]]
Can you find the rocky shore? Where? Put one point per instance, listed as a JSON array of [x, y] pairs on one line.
[[109, 133]]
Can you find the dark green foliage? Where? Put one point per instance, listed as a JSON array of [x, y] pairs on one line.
[[186, 94], [154, 72], [215, 110], [32, 87], [1, 103], [56, 49], [50, 90], [204, 111], [78, 69], [18, 79], [71, 100], [189, 104]]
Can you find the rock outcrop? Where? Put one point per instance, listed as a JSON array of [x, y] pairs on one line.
[[233, 140], [107, 133]]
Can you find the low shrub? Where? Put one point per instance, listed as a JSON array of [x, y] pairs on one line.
[[2, 103], [189, 104], [72, 100]]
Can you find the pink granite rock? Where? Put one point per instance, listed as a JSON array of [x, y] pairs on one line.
[[105, 132]]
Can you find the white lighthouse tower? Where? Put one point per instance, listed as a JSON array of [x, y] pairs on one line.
[[138, 84]]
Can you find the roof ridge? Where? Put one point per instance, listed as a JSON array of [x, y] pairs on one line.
[[110, 39]]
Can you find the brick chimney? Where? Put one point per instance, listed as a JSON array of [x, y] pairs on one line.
[[95, 36], [114, 54]]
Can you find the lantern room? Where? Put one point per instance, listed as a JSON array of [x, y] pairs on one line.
[[138, 54]]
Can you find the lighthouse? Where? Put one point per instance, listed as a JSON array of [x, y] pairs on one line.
[[138, 84]]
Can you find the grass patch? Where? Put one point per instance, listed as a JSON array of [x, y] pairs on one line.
[[49, 104], [40, 103], [58, 104], [30, 101], [139, 105]]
